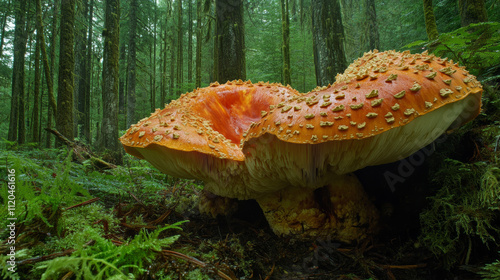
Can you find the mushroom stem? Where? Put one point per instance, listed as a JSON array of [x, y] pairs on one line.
[[340, 211], [213, 205]]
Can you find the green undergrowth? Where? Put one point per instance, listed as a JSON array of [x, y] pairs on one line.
[[117, 236], [463, 215], [475, 46]]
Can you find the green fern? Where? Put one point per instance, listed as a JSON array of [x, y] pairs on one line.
[[465, 207], [491, 271], [105, 260]]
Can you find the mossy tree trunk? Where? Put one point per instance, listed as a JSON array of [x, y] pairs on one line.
[[472, 11], [371, 25], [80, 67], [131, 62], [49, 69], [173, 48], [123, 73], [5, 15], [285, 47], [229, 58], [430, 20], [328, 40], [49, 76], [180, 33], [110, 79], [36, 96], [199, 36], [190, 42], [64, 113], [88, 74], [163, 93], [20, 39], [153, 55]]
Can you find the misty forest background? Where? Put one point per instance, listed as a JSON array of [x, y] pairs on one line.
[[91, 68]]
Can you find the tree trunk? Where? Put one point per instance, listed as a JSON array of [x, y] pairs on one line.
[[285, 29], [472, 11], [36, 97], [88, 76], [64, 113], [123, 73], [190, 42], [172, 69], [110, 79], [20, 39], [163, 90], [131, 69], [371, 25], [153, 88], [4, 25], [180, 36], [430, 20], [199, 39], [230, 41], [80, 68], [49, 70], [328, 40]]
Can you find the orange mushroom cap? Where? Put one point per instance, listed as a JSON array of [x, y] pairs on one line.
[[198, 135], [383, 108]]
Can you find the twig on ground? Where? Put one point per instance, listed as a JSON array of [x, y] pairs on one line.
[[195, 261], [84, 203]]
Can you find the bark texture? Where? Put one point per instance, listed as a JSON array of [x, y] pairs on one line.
[[472, 11], [80, 68], [199, 39], [230, 41], [328, 40], [285, 48], [430, 20], [190, 42], [49, 70], [64, 113], [179, 72], [131, 61], [88, 74], [36, 98], [110, 79], [4, 25], [371, 25], [20, 39]]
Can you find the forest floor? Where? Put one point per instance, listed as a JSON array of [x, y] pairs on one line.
[[69, 213]]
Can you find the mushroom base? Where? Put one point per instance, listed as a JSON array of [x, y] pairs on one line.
[[340, 211], [213, 205]]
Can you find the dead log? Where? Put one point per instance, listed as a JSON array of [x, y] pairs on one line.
[[82, 153]]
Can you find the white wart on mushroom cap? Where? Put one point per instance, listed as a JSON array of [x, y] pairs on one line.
[[383, 108], [198, 135]]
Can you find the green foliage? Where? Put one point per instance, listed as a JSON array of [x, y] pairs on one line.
[[40, 193], [465, 207], [491, 271], [105, 260], [475, 46]]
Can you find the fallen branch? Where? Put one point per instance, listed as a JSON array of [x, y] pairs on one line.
[[83, 203], [81, 152], [196, 262], [408, 266]]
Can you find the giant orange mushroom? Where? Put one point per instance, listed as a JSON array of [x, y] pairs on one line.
[[383, 108], [295, 153]]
